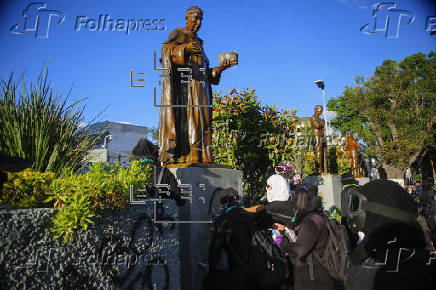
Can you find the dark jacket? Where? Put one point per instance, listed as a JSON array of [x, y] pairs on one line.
[[168, 178], [284, 208], [287, 208], [312, 236], [393, 253], [230, 235], [393, 257]]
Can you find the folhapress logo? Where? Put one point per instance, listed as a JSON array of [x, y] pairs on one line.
[[387, 19], [106, 23], [37, 19]]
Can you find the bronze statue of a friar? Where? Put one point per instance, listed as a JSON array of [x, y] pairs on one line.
[[185, 132]]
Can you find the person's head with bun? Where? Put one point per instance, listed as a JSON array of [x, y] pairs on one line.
[[146, 151]]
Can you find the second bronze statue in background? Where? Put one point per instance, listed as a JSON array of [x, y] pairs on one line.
[[351, 149], [319, 143]]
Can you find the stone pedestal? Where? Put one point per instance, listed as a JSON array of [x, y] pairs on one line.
[[329, 187], [363, 180], [400, 181], [203, 185]]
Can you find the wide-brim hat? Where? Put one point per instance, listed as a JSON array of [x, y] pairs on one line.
[[391, 195]]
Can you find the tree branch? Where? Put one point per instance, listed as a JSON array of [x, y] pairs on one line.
[[394, 131], [378, 134], [421, 141]]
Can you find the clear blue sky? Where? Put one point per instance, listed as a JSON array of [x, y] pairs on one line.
[[283, 47]]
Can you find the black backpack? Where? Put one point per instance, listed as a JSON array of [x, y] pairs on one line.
[[335, 257], [268, 264]]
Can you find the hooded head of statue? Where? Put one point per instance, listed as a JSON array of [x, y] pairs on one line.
[[277, 189]]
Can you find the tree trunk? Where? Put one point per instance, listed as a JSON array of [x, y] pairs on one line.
[[392, 172]]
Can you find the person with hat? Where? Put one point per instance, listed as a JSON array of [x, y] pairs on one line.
[[392, 254], [285, 169]]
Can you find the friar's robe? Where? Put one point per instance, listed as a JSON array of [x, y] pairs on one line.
[[185, 133]]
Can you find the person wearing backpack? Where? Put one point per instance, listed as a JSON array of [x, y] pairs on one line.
[[312, 235], [393, 254], [233, 235]]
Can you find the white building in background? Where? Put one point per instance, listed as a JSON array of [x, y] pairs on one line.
[[116, 141]]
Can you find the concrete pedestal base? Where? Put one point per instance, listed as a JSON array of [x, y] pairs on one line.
[[329, 187], [195, 216], [400, 181], [363, 180]]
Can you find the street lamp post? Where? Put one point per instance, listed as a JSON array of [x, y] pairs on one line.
[[107, 137], [320, 84]]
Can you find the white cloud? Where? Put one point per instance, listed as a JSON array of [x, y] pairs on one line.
[[124, 122], [358, 4]]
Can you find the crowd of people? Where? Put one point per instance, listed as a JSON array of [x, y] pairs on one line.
[[384, 239]]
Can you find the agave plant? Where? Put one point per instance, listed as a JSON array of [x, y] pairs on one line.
[[38, 125]]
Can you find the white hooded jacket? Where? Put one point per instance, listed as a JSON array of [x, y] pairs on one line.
[[280, 190]]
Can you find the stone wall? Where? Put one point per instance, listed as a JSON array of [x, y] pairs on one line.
[[121, 250], [127, 249]]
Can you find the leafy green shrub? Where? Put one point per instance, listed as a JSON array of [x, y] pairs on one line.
[[76, 213], [251, 138], [337, 160], [303, 144], [341, 158], [332, 161], [309, 166], [37, 124], [104, 186], [139, 175], [27, 188], [76, 195]]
